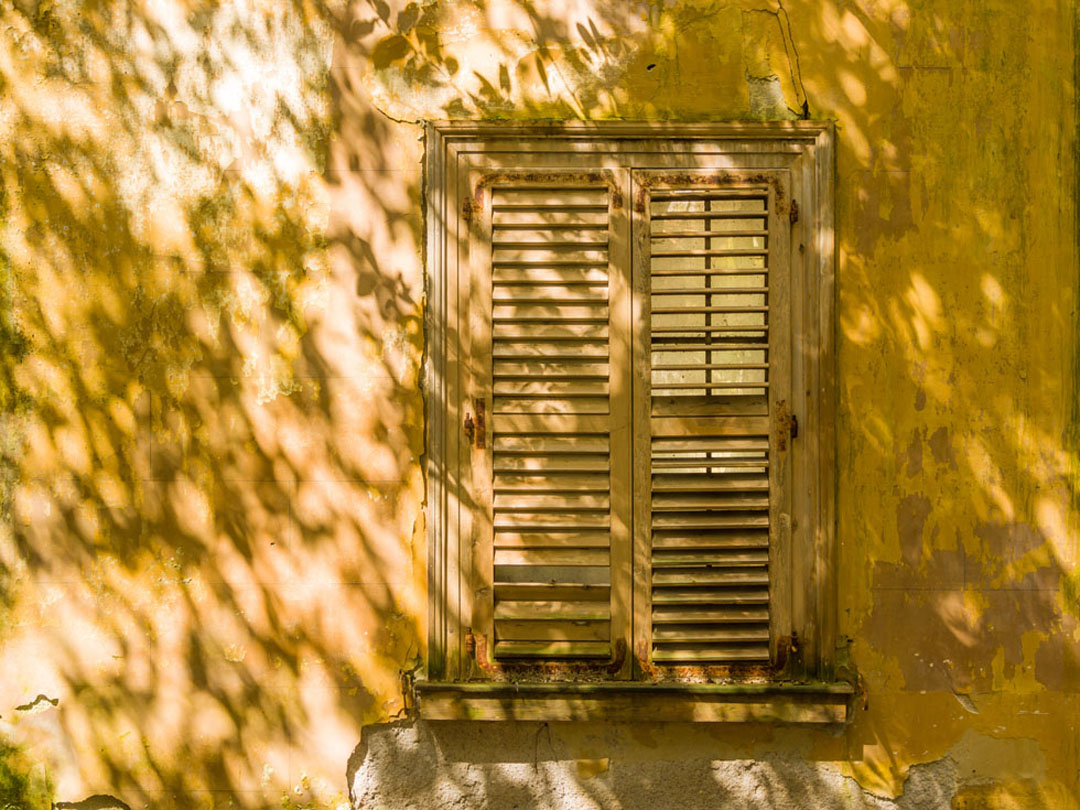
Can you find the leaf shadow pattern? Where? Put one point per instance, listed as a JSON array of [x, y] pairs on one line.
[[211, 300]]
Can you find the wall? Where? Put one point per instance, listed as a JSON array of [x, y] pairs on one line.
[[211, 296]]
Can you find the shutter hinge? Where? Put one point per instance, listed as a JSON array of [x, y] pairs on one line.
[[787, 425], [481, 424], [794, 212], [476, 430]]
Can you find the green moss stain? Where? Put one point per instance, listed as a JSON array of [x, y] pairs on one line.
[[21, 786]]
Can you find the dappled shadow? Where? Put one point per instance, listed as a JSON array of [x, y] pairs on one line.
[[564, 765], [210, 342], [213, 377]]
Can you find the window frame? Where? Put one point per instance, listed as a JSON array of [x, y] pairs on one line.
[[803, 148]]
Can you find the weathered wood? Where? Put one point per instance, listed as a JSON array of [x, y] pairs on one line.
[[597, 538], [701, 653], [561, 611], [666, 615], [676, 559], [629, 702], [561, 592], [553, 251], [549, 556], [690, 634], [552, 649]]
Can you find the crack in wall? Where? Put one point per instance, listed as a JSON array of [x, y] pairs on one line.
[[783, 22]]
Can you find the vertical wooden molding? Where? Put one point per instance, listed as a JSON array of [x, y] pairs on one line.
[[457, 153]]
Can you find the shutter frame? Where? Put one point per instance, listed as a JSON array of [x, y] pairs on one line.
[[716, 593], [523, 282], [457, 149]]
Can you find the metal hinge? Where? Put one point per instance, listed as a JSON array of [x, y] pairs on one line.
[[794, 212], [476, 430]]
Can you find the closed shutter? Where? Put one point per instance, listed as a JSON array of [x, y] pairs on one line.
[[555, 475], [716, 347]]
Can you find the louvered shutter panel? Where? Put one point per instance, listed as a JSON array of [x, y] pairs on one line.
[[716, 346], [557, 469]]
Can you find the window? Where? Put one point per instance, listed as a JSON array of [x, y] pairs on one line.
[[630, 399]]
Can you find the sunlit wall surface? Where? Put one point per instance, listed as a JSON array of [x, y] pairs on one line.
[[212, 552]]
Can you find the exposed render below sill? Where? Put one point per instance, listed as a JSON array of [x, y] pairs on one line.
[[636, 702]]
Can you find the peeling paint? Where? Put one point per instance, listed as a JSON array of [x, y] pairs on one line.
[[212, 507]]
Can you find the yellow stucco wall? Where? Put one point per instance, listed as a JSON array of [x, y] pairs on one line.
[[211, 298]]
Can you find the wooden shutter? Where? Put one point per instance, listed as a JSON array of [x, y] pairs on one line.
[[553, 370], [714, 346]]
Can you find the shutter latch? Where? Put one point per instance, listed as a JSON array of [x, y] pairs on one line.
[[794, 426]]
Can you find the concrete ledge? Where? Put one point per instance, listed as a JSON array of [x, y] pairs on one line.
[[636, 702]]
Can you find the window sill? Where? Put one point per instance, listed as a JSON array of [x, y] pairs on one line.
[[636, 702]]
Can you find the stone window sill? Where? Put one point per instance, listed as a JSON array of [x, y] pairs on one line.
[[636, 702]]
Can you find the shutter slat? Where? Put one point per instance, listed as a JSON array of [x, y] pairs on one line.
[[717, 344], [726, 615], [705, 576], [565, 521], [722, 633], [707, 216], [550, 243], [553, 574], [549, 331], [552, 556], [518, 502], [707, 330], [535, 227], [570, 368], [708, 597], [709, 291], [702, 653], [549, 482], [564, 592], [710, 366], [697, 464], [547, 276], [709, 501], [716, 195], [726, 386], [554, 424], [710, 520], [664, 234], [544, 198], [683, 558], [537, 403], [693, 253], [718, 540], [549, 630], [708, 483], [523, 262], [559, 464], [552, 649], [691, 272], [710, 444], [581, 539], [556, 611]]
